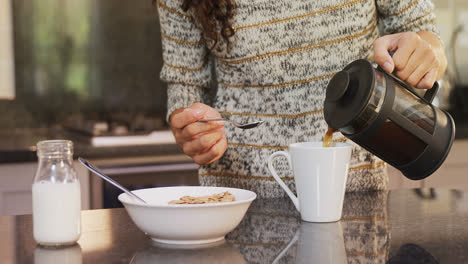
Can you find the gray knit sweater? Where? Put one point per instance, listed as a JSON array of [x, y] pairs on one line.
[[281, 58]]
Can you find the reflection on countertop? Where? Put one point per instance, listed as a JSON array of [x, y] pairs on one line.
[[401, 226], [218, 252]]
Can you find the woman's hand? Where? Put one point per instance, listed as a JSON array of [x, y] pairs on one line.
[[204, 142], [418, 58]]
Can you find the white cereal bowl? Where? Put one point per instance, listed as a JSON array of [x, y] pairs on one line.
[[186, 224]]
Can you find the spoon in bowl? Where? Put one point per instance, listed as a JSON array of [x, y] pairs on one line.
[[108, 179]]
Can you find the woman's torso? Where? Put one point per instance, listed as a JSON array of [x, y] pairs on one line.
[[276, 69]]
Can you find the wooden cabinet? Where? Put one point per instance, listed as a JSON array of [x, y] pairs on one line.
[[16, 182], [453, 174]]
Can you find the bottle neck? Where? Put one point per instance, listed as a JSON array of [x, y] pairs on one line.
[[55, 161], [56, 168], [55, 150], [56, 158]]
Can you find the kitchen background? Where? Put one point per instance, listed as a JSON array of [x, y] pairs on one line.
[[89, 71]]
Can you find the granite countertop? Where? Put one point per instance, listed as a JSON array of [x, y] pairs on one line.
[[401, 226], [20, 146]]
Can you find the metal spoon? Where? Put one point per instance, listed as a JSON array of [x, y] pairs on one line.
[[102, 175], [236, 124]]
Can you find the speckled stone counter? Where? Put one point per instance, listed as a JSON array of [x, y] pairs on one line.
[[401, 226]]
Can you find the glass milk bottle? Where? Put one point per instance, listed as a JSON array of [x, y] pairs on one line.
[[56, 195]]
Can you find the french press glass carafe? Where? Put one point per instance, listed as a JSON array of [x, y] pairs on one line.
[[387, 117]]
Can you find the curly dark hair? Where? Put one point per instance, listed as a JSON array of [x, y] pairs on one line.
[[210, 14]]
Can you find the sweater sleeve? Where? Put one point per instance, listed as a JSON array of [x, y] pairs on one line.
[[186, 67], [406, 15]]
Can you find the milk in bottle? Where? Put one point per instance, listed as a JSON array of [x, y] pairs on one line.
[[56, 195]]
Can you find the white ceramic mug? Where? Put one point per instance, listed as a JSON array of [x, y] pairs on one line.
[[320, 176]]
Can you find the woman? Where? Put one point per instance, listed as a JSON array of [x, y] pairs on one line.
[[272, 61]]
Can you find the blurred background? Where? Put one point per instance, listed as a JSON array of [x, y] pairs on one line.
[[82, 60], [64, 62], [88, 71]]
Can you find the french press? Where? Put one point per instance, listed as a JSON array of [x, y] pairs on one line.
[[387, 117]]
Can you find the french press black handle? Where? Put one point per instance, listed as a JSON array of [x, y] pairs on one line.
[[429, 95]]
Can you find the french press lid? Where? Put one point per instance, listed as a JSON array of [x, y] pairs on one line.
[[351, 90]]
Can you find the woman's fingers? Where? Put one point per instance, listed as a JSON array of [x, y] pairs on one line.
[[420, 63], [415, 60], [203, 143], [183, 117], [214, 153], [382, 46], [407, 44], [195, 129], [428, 81]]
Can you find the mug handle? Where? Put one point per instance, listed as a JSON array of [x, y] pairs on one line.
[[291, 195]]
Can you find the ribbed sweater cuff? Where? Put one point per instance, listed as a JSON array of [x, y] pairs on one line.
[[182, 96]]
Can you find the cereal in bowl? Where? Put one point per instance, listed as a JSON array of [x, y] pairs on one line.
[[215, 198]]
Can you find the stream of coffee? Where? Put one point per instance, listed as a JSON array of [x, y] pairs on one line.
[[327, 139]]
